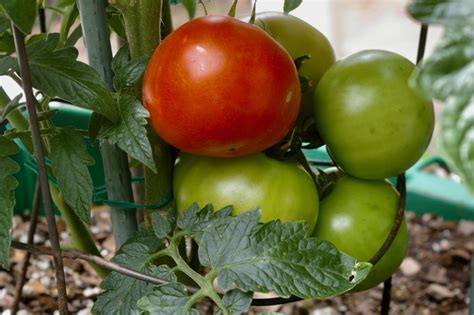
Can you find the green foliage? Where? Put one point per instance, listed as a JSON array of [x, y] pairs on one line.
[[21, 12], [167, 299], [57, 73], [127, 72], [238, 302], [122, 292], [70, 160], [262, 257], [8, 184], [8, 147], [130, 132], [14, 103], [448, 75], [243, 254], [161, 225], [290, 5]]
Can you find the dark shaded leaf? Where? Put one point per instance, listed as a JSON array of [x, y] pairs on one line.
[[122, 292], [161, 226], [194, 220], [8, 184], [290, 5], [8, 147], [70, 159], [130, 133], [21, 12], [237, 302], [167, 299], [127, 72]]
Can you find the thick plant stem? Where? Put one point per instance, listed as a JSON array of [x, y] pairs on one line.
[[142, 19], [143, 29], [79, 234], [117, 172]]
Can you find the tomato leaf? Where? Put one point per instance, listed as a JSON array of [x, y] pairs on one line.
[[57, 73], [130, 133], [290, 5], [122, 292], [161, 226], [448, 76], [448, 12], [127, 72], [21, 12], [167, 299], [8, 147], [7, 63], [238, 302], [14, 103], [276, 257], [70, 160], [8, 184], [194, 220]]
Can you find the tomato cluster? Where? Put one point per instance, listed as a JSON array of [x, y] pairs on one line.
[[222, 91]]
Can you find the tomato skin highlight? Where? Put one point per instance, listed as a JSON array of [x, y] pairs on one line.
[[282, 190], [373, 123], [203, 98], [357, 217]]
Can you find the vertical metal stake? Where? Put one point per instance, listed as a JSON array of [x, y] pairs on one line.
[[386, 297]]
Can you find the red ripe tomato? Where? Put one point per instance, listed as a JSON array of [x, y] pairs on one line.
[[220, 87]]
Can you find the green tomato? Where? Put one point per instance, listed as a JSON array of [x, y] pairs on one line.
[[357, 217], [374, 124], [300, 39], [282, 190]]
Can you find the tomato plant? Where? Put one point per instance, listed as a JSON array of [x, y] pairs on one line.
[[220, 87], [373, 123], [282, 190], [300, 39], [357, 216]]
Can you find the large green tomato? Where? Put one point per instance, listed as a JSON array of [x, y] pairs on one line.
[[299, 39], [357, 217], [373, 123], [282, 190]]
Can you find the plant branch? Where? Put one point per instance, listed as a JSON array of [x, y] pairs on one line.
[[77, 254], [205, 283]]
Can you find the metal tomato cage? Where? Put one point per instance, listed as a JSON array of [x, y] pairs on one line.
[[42, 188]]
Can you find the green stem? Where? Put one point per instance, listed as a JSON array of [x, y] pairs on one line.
[[142, 20], [205, 283], [80, 236], [166, 19], [79, 233]]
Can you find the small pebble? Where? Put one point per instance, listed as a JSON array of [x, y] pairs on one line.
[[88, 292], [410, 267]]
